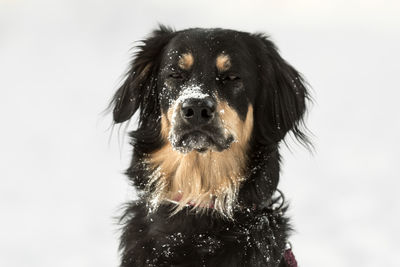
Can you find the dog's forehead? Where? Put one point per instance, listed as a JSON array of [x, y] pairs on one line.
[[204, 45]]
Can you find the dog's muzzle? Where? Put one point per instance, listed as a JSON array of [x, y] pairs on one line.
[[198, 127]]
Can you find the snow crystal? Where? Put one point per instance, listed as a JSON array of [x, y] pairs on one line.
[[191, 91]]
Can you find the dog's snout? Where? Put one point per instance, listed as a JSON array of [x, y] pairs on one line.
[[198, 111]]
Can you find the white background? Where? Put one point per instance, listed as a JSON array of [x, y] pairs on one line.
[[61, 178]]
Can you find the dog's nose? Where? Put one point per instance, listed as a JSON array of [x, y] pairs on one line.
[[198, 111]]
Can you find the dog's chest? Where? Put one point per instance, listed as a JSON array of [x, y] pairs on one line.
[[204, 240]]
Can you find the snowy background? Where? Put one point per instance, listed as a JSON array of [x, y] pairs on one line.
[[60, 176]]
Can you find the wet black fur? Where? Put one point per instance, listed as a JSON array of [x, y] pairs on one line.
[[257, 235]]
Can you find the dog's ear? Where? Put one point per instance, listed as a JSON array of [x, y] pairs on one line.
[[140, 82], [283, 93]]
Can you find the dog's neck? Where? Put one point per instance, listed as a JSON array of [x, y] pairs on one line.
[[256, 188], [203, 179]]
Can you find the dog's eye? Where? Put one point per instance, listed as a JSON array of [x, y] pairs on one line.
[[176, 75], [230, 77], [233, 77]]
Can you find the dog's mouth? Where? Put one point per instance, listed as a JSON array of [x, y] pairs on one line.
[[200, 141]]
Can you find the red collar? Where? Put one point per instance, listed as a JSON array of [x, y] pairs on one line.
[[289, 258]]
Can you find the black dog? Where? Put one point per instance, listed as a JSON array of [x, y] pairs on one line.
[[214, 105]]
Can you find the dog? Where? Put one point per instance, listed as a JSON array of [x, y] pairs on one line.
[[213, 107]]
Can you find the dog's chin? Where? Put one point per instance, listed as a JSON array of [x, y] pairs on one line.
[[202, 142]]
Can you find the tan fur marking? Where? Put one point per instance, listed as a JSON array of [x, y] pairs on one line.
[[203, 178], [165, 125], [186, 61], [223, 62]]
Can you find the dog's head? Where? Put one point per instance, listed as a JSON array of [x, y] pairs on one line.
[[208, 94]]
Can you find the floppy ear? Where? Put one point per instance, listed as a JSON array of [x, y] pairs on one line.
[[140, 82], [283, 93]]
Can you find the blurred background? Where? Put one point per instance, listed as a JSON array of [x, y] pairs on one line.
[[61, 181]]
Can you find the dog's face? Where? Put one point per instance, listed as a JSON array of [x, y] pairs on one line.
[[207, 97], [206, 90]]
